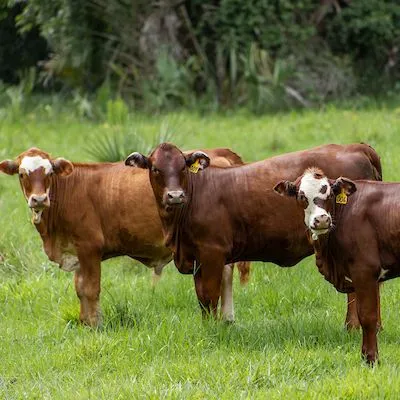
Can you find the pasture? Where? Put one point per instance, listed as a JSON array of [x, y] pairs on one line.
[[288, 340]]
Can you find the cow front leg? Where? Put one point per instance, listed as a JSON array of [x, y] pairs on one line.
[[227, 309], [204, 302], [367, 307], [87, 285], [352, 322], [212, 267]]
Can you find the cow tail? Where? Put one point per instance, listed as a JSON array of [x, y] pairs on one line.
[[375, 161], [244, 271]]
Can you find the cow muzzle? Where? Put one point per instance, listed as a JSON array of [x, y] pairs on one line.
[[39, 202], [175, 198], [321, 222]]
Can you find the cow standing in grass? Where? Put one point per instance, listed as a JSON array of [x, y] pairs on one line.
[[86, 213], [355, 231], [214, 216]]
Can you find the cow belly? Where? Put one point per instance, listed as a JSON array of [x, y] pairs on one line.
[[69, 263]]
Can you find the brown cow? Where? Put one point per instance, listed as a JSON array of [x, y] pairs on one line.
[[86, 213], [356, 239], [221, 216]]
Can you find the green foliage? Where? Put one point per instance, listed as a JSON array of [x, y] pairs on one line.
[[210, 54], [117, 144], [369, 32]]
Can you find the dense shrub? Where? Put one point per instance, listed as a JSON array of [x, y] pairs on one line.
[[179, 53]]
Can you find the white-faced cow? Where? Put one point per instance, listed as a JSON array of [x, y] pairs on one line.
[[86, 213], [213, 216], [355, 231]]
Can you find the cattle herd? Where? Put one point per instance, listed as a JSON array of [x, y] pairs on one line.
[[208, 210]]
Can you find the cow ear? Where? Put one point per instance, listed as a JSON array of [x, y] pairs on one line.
[[9, 167], [286, 188], [344, 184], [197, 161], [137, 160], [62, 167]]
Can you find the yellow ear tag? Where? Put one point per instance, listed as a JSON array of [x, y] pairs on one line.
[[195, 167], [341, 198]]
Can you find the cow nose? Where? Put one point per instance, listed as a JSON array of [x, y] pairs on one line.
[[175, 197], [38, 200], [322, 221]]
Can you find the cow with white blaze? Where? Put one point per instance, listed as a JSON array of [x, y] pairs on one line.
[[354, 230]]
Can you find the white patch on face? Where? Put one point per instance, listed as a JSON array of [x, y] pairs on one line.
[[311, 187], [30, 164]]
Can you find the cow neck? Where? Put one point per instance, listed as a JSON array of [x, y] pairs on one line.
[[327, 257]]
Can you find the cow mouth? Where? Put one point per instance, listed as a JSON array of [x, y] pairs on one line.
[[37, 213], [170, 206], [317, 232]]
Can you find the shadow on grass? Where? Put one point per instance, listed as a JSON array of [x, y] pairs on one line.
[[114, 317]]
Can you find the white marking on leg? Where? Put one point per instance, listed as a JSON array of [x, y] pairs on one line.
[[30, 164], [228, 313]]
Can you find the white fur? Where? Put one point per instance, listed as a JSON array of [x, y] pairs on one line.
[[311, 187], [30, 164]]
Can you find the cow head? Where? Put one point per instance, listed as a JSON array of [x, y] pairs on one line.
[[315, 192], [35, 168], [169, 168]]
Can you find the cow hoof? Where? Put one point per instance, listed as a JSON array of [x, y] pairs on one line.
[[371, 359]]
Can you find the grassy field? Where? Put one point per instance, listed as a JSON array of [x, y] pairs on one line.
[[288, 341]]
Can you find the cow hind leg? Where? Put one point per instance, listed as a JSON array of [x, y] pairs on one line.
[[156, 274], [87, 285], [227, 309]]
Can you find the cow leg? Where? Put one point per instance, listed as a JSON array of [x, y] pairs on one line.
[[211, 274], [228, 313], [203, 301], [352, 322], [379, 323], [367, 293], [156, 274], [87, 285]]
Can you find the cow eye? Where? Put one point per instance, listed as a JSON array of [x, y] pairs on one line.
[[21, 175], [155, 170]]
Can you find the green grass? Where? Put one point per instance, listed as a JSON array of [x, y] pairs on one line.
[[288, 341]]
